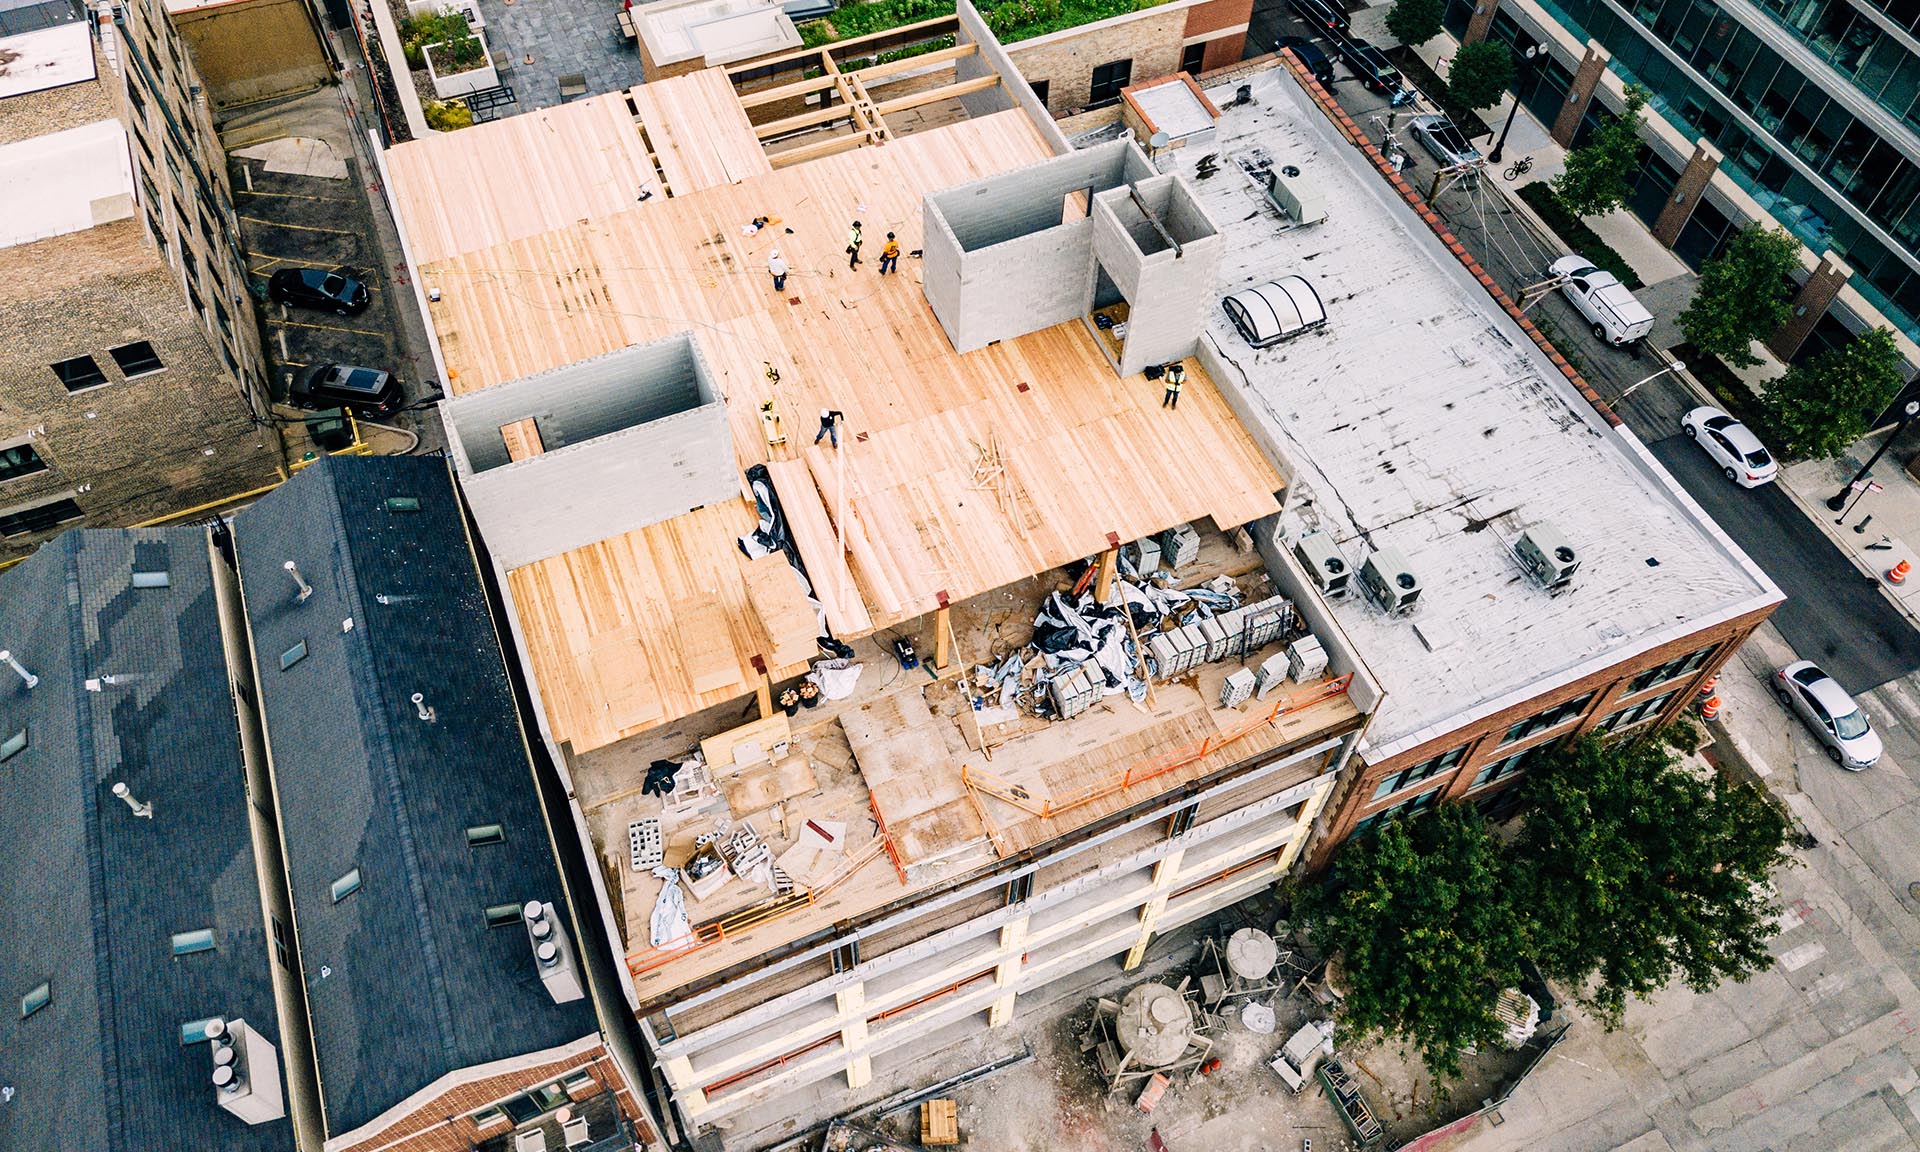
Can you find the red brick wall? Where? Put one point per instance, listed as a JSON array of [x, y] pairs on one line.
[[1217, 14], [1224, 51], [1609, 686], [442, 1125]]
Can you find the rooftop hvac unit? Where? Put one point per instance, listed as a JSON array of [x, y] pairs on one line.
[[1389, 579], [1547, 556], [1296, 198], [246, 1071], [553, 955], [1324, 562]]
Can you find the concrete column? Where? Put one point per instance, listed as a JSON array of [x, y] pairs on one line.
[[1163, 874], [1809, 304], [1694, 179], [1308, 810], [1013, 939], [1586, 81], [679, 1073], [852, 1002], [1480, 21]]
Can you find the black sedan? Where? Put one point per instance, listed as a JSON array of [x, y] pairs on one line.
[[318, 288]]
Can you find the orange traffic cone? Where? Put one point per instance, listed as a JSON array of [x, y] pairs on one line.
[[1898, 573], [1706, 688], [1710, 708]]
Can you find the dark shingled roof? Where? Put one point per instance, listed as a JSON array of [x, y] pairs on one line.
[[90, 895], [406, 982]]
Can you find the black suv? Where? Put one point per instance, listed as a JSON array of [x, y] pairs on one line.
[[1370, 65], [1310, 55], [1321, 13], [368, 391], [318, 288]]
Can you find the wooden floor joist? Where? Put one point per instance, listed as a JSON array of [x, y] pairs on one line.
[[935, 95]]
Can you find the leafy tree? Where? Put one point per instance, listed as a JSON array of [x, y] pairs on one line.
[[1422, 915], [1745, 293], [1597, 174], [1637, 871], [1415, 21], [1822, 405], [1481, 74]]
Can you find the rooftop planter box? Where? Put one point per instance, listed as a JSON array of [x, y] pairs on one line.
[[460, 66]]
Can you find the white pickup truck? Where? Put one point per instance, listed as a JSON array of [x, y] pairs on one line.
[[1616, 316]]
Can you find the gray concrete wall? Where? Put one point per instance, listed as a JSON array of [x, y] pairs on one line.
[[1168, 290], [993, 57], [632, 438]]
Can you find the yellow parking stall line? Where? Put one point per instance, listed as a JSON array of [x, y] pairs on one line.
[[299, 227], [327, 327]]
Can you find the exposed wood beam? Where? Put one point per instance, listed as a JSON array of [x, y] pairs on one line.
[[935, 95], [852, 47], [913, 63], [788, 91], [816, 150], [804, 120]]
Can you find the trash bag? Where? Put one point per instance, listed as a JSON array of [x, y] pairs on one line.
[[1055, 637]]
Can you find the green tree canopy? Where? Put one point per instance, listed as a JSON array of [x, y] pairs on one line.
[[1597, 174], [1421, 914], [1636, 871], [1822, 405], [1415, 21], [1481, 74], [1744, 294]]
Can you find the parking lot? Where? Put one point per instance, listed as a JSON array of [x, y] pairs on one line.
[[303, 200]]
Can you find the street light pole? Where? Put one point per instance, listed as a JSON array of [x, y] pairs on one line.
[[1676, 366], [1493, 157], [1838, 500]]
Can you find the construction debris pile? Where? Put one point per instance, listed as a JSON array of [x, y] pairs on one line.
[[1085, 648]]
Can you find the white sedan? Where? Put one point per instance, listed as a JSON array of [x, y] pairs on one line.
[[1733, 446]]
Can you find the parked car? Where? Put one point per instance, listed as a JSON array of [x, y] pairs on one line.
[[1617, 317], [367, 391], [1733, 446], [1321, 13], [1370, 66], [1278, 310], [1835, 720], [318, 288], [1447, 143], [1309, 53]]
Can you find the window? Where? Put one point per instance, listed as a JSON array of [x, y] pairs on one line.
[[136, 359], [19, 460], [198, 940], [1633, 714], [1671, 670], [195, 1031], [488, 1117], [345, 886], [79, 373], [1193, 58], [1406, 807], [1040, 89], [483, 834], [13, 745], [39, 518], [1407, 777], [1551, 718], [532, 1105], [1108, 79], [293, 655], [38, 998], [501, 915], [151, 580]]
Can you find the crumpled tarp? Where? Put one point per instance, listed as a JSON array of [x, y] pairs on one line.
[[669, 924]]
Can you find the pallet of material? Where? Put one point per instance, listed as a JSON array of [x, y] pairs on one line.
[[773, 587], [939, 1123]]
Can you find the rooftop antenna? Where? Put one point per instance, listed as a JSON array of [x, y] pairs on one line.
[[7, 658], [420, 707], [144, 811], [306, 589]]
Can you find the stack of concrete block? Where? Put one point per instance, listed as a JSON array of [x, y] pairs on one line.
[[1075, 691], [1177, 652], [1270, 618], [1144, 555], [1238, 688], [1272, 674], [1216, 636], [1234, 624], [1179, 546], [1306, 660]]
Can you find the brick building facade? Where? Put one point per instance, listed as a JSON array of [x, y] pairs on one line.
[[129, 350], [1083, 69]]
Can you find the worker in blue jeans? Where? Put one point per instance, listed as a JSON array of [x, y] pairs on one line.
[[1176, 375], [829, 427]]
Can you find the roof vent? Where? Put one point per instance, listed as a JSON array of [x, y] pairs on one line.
[[6, 658], [306, 589], [1547, 556], [1324, 562], [1388, 578], [553, 954], [246, 1071]]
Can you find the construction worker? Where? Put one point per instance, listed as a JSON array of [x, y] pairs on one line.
[[1176, 375], [778, 267], [829, 427], [890, 256], [853, 245]]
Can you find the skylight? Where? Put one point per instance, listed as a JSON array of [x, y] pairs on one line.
[[346, 886], [403, 503], [38, 998], [501, 915], [481, 834], [151, 580], [195, 1031], [13, 745], [293, 655], [187, 943]]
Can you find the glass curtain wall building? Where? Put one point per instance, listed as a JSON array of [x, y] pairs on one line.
[[1815, 105]]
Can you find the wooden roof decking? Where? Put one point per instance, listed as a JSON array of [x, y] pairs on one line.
[[524, 175], [1088, 454]]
